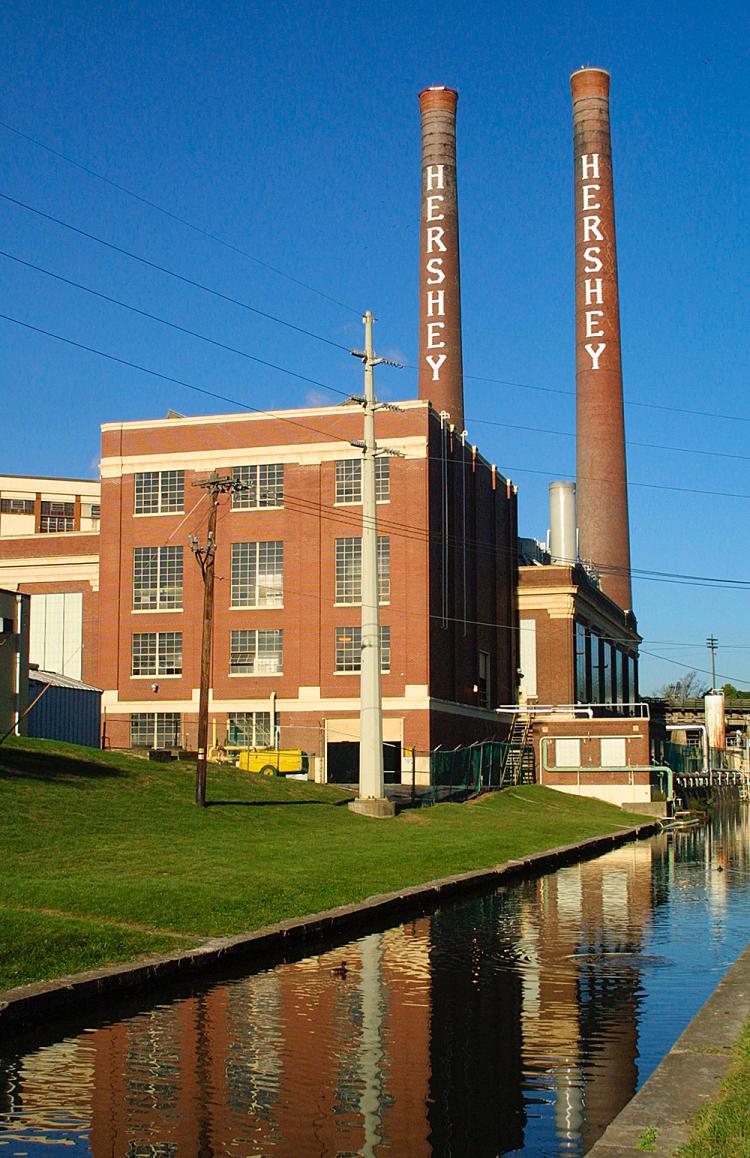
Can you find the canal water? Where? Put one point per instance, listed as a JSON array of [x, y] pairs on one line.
[[517, 1022]]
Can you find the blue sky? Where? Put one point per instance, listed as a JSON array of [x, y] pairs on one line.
[[291, 131]]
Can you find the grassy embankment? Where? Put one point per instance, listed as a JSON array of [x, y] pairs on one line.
[[722, 1129], [106, 858]]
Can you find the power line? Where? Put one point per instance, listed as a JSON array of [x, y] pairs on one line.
[[162, 321], [318, 337], [343, 393], [629, 441], [171, 273], [176, 217], [654, 576]]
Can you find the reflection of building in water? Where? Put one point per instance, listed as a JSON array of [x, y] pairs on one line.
[[476, 1104], [577, 929], [332, 1052]]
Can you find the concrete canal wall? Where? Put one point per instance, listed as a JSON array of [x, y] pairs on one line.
[[41, 1002]]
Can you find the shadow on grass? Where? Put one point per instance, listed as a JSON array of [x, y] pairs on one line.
[[274, 803], [19, 763]]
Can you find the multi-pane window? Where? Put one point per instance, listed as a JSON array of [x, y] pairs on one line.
[[158, 492], [157, 653], [349, 649], [349, 570], [157, 578], [96, 510], [484, 682], [17, 506], [255, 652], [261, 486], [56, 517], [155, 730], [249, 729], [349, 480], [258, 574], [581, 690]]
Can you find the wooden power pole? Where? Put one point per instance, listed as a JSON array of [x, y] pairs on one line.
[[205, 555]]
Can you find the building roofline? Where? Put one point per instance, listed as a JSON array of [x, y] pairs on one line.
[[244, 416]]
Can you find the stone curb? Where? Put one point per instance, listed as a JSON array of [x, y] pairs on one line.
[[687, 1078], [30, 1005]]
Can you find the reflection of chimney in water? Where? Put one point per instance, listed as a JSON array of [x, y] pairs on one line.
[[601, 479], [440, 362]]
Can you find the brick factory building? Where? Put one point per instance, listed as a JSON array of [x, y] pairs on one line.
[[287, 593]]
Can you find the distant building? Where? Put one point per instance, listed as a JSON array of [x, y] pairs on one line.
[[49, 549], [14, 659]]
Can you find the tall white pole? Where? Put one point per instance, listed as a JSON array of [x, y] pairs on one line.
[[371, 779]]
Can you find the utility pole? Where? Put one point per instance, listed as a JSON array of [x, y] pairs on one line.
[[712, 643], [215, 486], [372, 800]]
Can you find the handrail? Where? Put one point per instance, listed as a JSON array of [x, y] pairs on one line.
[[632, 709]]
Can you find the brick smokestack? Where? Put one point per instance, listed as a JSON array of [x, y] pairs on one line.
[[601, 479], [440, 363]]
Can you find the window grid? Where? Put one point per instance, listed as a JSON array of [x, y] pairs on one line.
[[155, 729], [349, 649], [263, 486], [249, 729], [156, 653], [17, 506], [255, 652], [349, 570], [258, 574], [349, 480], [159, 492], [157, 578], [56, 516]]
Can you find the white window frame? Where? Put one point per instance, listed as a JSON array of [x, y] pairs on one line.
[[263, 646], [162, 567]]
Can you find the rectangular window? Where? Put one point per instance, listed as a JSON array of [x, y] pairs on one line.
[[96, 510], [17, 506], [581, 691], [155, 730], [159, 492], [249, 729], [484, 679], [349, 570], [157, 653], [597, 686], [567, 752], [349, 480], [349, 649], [56, 517], [261, 486], [157, 578], [258, 574], [613, 752], [255, 652]]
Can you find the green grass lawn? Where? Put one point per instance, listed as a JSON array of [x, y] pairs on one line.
[[722, 1128], [105, 857]]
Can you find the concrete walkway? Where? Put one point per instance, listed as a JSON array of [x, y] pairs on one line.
[[687, 1078]]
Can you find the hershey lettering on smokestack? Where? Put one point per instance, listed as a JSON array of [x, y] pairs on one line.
[[601, 479], [440, 362]]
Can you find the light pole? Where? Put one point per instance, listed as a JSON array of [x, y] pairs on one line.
[[712, 643], [215, 486], [372, 800]]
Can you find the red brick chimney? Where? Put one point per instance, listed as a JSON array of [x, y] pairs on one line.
[[601, 478], [440, 362]]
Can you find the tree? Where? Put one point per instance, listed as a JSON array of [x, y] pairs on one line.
[[690, 687]]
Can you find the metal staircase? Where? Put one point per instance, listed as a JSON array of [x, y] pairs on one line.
[[519, 766]]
